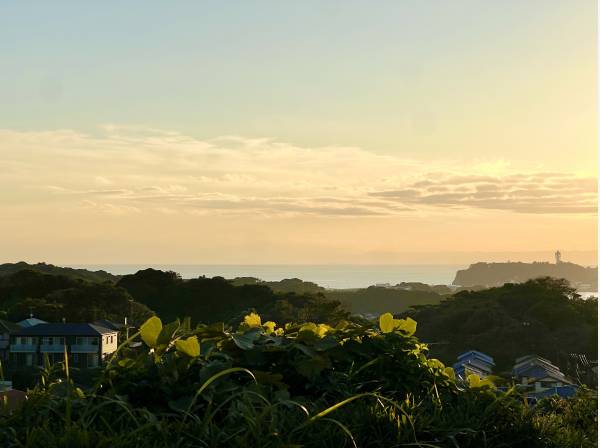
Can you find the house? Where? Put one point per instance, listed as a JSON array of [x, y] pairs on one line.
[[538, 374], [475, 362], [6, 329], [86, 345]]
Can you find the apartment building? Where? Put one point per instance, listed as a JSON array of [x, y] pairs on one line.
[[87, 345]]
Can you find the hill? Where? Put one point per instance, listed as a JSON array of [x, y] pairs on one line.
[[44, 268], [496, 274], [376, 300], [286, 285], [217, 299], [371, 300], [53, 297], [543, 316]]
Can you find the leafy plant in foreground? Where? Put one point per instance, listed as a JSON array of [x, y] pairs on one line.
[[356, 383]]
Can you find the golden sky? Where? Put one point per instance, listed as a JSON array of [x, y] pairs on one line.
[[414, 132]]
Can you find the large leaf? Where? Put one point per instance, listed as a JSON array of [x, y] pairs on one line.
[[474, 382], [246, 340], [150, 331], [310, 331], [269, 327], [408, 325], [189, 346], [252, 320], [449, 371], [386, 323]]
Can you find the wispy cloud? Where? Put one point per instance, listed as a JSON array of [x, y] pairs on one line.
[[123, 170], [524, 193]]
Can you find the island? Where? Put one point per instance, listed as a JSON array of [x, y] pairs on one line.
[[496, 274]]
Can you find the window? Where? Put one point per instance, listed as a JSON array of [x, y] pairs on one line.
[[86, 340], [75, 358]]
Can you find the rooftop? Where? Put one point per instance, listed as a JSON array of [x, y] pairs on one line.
[[31, 322], [68, 329], [476, 354]]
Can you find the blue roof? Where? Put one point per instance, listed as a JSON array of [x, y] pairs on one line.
[[562, 391], [536, 367], [476, 354], [68, 329], [474, 364]]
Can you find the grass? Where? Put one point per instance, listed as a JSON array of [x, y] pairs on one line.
[[355, 385]]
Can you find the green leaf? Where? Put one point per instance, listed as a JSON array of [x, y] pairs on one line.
[[304, 349], [408, 325], [473, 380], [150, 331], [189, 346], [310, 329], [269, 327], [252, 320], [386, 323], [167, 332], [449, 371], [246, 340], [435, 363], [311, 368]]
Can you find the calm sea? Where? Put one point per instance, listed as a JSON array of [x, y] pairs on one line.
[[329, 276]]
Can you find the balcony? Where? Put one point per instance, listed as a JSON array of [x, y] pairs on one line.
[[23, 348], [84, 348], [52, 348]]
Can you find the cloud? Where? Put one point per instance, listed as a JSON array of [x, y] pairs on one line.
[[123, 170], [523, 193]]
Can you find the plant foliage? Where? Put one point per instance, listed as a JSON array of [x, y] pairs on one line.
[[352, 383]]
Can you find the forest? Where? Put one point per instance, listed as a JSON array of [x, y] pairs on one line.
[[543, 316]]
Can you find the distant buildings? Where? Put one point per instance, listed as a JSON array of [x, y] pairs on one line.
[[535, 376], [541, 378], [475, 362]]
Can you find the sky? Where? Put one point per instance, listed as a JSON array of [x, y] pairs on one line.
[[351, 132]]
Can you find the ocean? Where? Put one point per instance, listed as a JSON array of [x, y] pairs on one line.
[[328, 276]]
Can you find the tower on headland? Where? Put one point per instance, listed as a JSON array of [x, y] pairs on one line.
[[557, 256]]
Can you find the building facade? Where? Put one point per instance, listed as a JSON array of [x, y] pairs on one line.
[[538, 375], [86, 345]]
